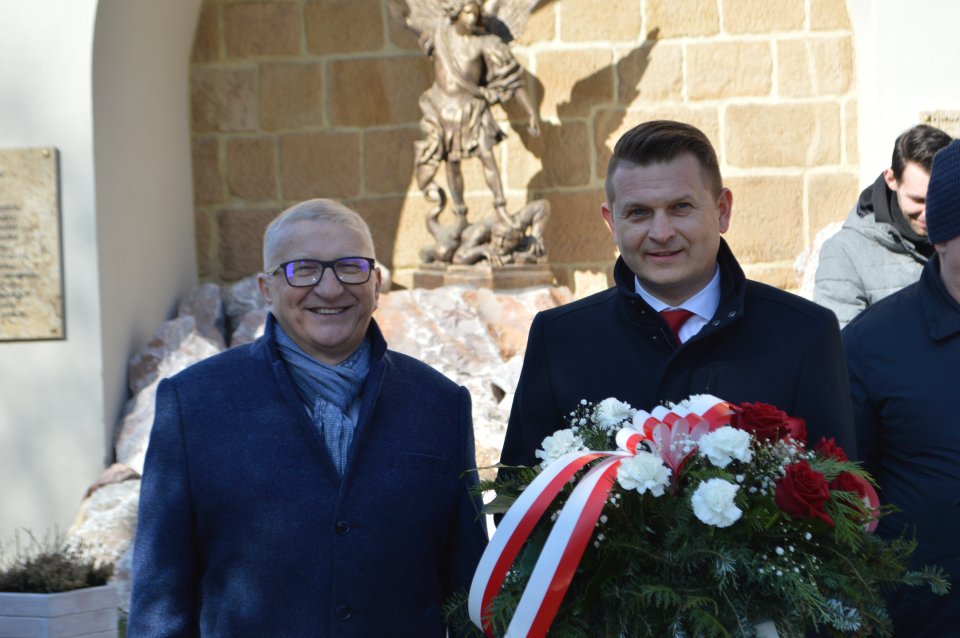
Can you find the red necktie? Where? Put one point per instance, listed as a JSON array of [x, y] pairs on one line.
[[675, 319]]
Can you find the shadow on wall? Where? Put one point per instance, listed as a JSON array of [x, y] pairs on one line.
[[593, 239]]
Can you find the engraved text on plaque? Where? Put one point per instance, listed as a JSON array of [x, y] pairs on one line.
[[31, 281]]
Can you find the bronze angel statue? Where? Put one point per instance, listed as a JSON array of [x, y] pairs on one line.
[[474, 69]]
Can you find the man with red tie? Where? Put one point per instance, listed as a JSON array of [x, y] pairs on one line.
[[682, 318]]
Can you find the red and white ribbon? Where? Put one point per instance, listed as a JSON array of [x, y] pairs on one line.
[[578, 518]]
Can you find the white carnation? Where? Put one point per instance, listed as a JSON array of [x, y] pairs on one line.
[[611, 413], [725, 444], [644, 472], [555, 446], [713, 503]]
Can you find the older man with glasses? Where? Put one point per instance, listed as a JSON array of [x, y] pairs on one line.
[[312, 483]]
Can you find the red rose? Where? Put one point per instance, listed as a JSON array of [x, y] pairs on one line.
[[803, 493], [767, 423], [847, 482], [829, 448]]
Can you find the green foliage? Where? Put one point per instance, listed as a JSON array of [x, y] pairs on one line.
[[654, 569], [50, 565]]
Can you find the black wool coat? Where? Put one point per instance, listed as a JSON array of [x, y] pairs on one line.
[[904, 359], [763, 344]]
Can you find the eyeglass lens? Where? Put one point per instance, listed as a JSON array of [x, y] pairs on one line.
[[307, 272]]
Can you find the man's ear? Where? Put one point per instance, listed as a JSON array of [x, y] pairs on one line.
[[264, 287], [376, 291], [606, 210], [890, 179], [725, 205]]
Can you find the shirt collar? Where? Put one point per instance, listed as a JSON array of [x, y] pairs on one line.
[[704, 304]]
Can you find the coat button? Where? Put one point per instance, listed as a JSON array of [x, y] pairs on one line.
[[344, 611], [732, 314], [342, 527]]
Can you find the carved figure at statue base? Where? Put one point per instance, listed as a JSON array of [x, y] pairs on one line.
[[474, 69]]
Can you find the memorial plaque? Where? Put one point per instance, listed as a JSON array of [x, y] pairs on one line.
[[31, 278], [946, 121]]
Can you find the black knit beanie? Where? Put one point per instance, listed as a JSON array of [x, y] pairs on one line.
[[943, 195]]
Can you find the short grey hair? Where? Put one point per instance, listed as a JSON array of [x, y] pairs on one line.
[[325, 211]]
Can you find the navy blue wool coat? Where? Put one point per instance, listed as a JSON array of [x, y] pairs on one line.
[[246, 529], [763, 344], [904, 359]]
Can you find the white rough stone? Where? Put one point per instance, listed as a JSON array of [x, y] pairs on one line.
[[807, 261], [205, 305], [106, 525]]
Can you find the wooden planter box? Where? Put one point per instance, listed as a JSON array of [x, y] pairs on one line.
[[91, 613]]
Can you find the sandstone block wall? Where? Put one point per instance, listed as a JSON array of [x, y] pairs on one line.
[[293, 99]]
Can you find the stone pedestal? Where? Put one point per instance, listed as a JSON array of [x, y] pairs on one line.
[[506, 277]]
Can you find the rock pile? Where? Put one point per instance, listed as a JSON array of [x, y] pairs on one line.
[[474, 336]]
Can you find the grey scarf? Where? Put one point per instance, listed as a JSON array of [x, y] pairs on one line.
[[328, 391]]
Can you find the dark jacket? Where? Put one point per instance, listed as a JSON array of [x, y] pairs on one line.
[[904, 360], [246, 529], [762, 344]]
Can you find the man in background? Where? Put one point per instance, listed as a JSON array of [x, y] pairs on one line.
[[883, 244], [904, 360], [682, 318]]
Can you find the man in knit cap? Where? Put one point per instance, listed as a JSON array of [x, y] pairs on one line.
[[903, 355]]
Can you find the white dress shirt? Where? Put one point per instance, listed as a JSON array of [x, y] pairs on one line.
[[703, 305]]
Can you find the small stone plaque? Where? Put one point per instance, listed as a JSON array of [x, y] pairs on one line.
[[946, 121], [31, 277]]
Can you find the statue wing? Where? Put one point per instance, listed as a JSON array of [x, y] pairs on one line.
[[417, 15], [508, 18]]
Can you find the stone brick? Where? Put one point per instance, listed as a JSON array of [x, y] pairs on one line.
[[542, 25], [562, 151], [794, 68], [398, 225], [676, 18], [291, 96], [814, 67], [782, 134], [241, 241], [383, 215], [762, 16], [581, 20], [830, 196], [206, 42], [651, 72], [320, 165], [203, 238], [767, 220], [851, 132], [207, 182], [575, 81], [251, 168], [343, 26], [401, 36], [829, 15], [728, 69], [576, 232], [610, 124], [388, 160], [833, 63], [223, 100], [262, 28], [783, 277], [375, 92]]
